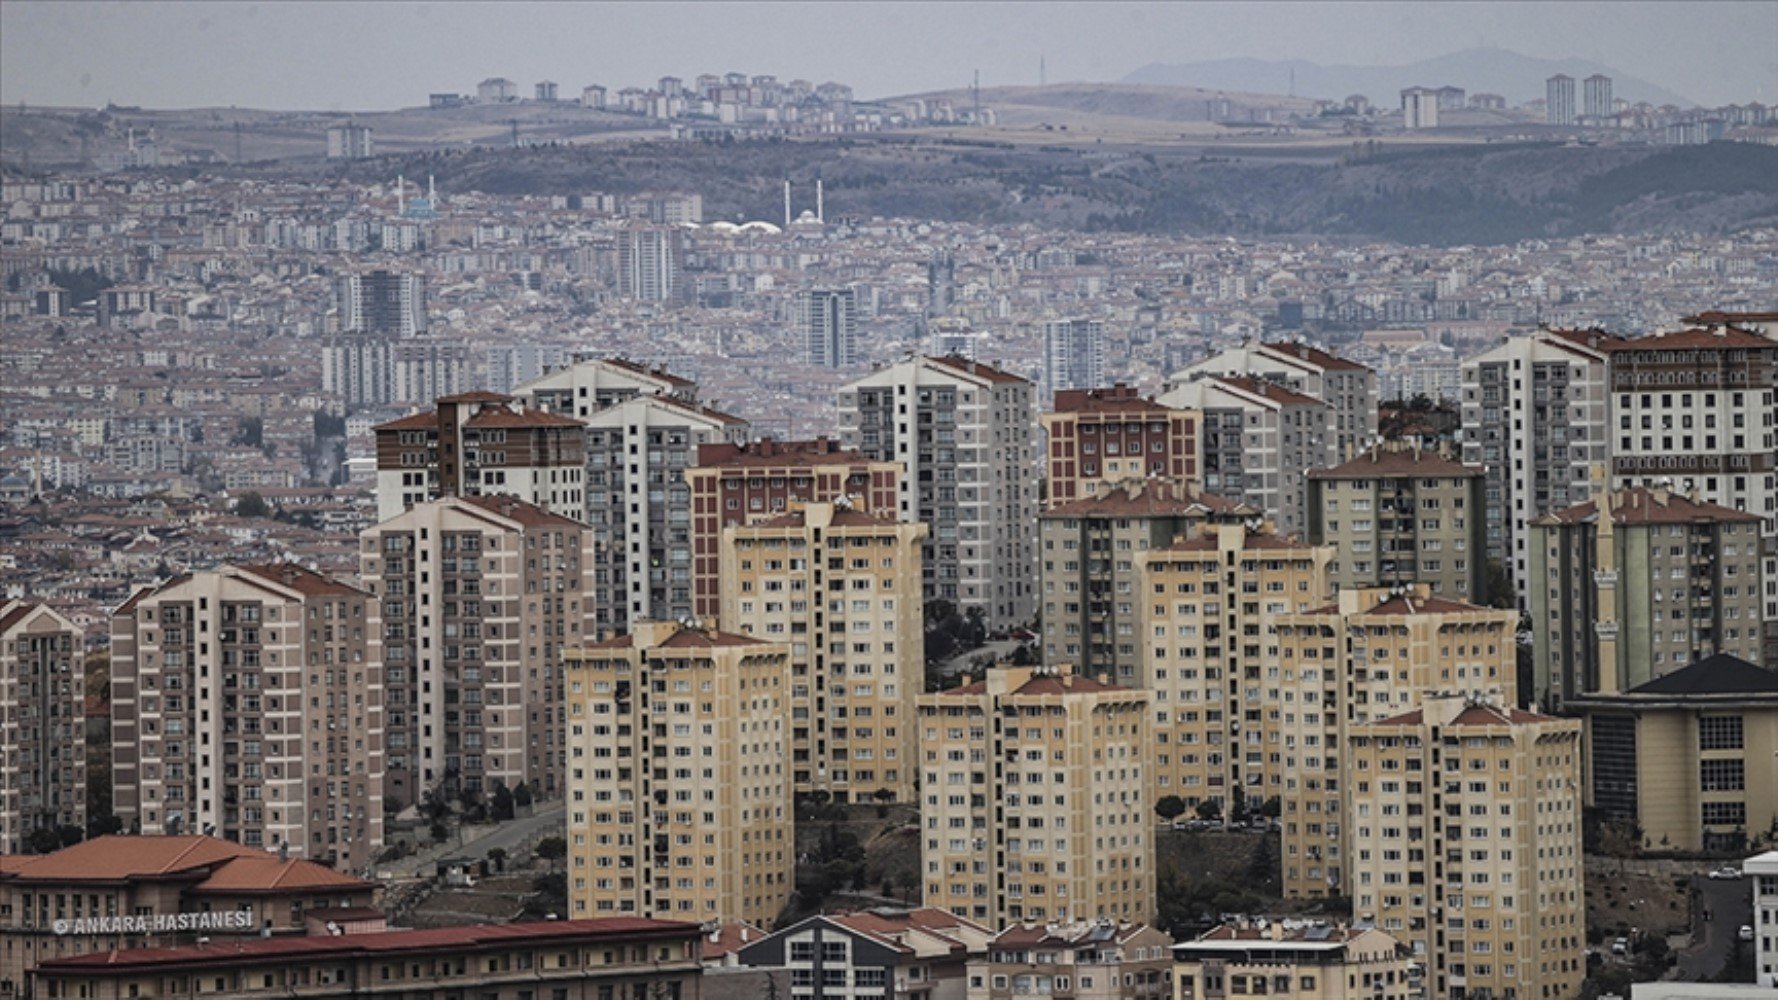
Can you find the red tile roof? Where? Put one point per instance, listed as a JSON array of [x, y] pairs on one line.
[[270, 874], [730, 938], [1315, 356], [1403, 604], [777, 454], [333, 948], [655, 373], [1721, 338], [115, 857], [1156, 498], [1409, 462], [1642, 505], [302, 580], [476, 396], [1270, 391], [987, 372], [427, 421], [1260, 541], [842, 518], [1116, 399], [528, 514], [499, 417]]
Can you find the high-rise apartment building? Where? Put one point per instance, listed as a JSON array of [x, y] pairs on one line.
[[1097, 438], [1399, 514], [1073, 354], [941, 283], [1559, 100], [381, 302], [1206, 610], [1466, 843], [1596, 103], [1689, 759], [42, 723], [829, 319], [1089, 565], [350, 141], [962, 432], [1419, 108], [1035, 799], [840, 587], [679, 797], [480, 595], [1654, 582], [734, 484], [592, 384], [1373, 653], [1347, 387], [481, 444], [1534, 418], [639, 505], [648, 262], [383, 371], [247, 702], [1698, 409], [1258, 439]]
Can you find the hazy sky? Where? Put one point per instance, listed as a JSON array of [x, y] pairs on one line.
[[366, 56]]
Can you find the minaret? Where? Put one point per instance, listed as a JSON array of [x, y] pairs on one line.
[[400, 195], [1605, 623], [787, 203], [431, 191], [820, 210]]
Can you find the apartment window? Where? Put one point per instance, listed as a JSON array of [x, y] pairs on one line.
[[1722, 775], [1720, 732]]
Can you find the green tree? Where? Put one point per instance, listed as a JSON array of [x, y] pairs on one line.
[[1170, 807], [497, 858], [501, 807], [252, 505], [1210, 810], [552, 849]]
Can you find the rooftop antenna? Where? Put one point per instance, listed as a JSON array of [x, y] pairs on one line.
[[977, 90]]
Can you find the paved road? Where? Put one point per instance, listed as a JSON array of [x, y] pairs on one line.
[[1730, 904], [509, 836], [993, 650]]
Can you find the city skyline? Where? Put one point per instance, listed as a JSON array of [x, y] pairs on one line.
[[398, 53]]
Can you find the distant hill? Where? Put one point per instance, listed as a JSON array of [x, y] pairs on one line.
[[1479, 194], [1516, 77], [1023, 106]]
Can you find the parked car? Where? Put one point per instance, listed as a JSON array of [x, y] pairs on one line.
[[1727, 872], [1621, 946], [1745, 933]]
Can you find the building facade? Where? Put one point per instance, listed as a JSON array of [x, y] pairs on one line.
[[963, 434], [1534, 418], [381, 302], [1295, 960], [1466, 844], [118, 893], [649, 259], [679, 777], [917, 954], [1398, 515], [841, 588], [1073, 354], [42, 723], [1347, 387], [830, 326], [1559, 100], [733, 484], [480, 596], [1689, 758], [248, 702], [1653, 582], [1206, 610], [1258, 439], [481, 444], [1086, 960], [1089, 568], [1035, 799], [1097, 438], [526, 961], [1373, 653]]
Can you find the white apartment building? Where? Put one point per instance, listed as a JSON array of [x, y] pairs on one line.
[[964, 434], [1259, 440], [1348, 387]]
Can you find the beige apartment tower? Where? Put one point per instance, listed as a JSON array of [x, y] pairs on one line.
[[42, 723], [1373, 653], [480, 597], [1398, 515], [841, 588], [1206, 611], [247, 702], [679, 791], [1466, 843], [1035, 802], [1088, 552]]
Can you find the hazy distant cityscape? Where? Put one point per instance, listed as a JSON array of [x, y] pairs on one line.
[[731, 536]]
